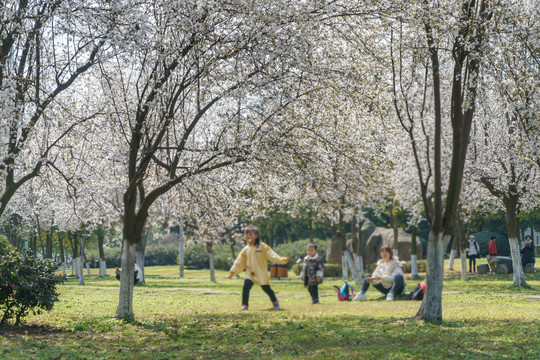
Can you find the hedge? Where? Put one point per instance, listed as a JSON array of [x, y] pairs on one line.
[[297, 250], [330, 270]]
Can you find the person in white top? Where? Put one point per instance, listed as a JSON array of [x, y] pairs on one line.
[[387, 278], [473, 250]]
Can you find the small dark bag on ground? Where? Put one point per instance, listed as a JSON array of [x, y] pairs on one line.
[[417, 293]]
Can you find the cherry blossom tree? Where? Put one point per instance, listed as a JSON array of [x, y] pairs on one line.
[[440, 85], [504, 171], [47, 47], [504, 155], [196, 87]]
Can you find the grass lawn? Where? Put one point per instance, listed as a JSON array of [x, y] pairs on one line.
[[191, 318]]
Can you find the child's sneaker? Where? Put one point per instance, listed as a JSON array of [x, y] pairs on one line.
[[390, 297], [360, 297], [316, 301], [275, 304], [244, 307]]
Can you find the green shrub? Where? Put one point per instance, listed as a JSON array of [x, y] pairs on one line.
[[27, 284], [297, 250], [330, 270], [196, 256], [154, 255], [161, 255]]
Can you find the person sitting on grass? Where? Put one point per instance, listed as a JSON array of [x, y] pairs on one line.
[[312, 272], [527, 253], [137, 274], [387, 278], [254, 258]]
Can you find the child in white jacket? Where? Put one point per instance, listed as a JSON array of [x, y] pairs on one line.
[[387, 278]]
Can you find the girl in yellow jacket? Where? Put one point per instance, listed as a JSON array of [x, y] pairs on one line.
[[254, 258]]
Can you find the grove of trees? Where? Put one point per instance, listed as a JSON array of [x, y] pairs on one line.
[[121, 116]]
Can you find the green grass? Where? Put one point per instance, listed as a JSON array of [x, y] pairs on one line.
[[191, 318]]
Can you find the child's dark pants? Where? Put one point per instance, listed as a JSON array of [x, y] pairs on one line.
[[314, 291], [248, 284]]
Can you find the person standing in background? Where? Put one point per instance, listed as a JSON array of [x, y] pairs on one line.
[[472, 253]]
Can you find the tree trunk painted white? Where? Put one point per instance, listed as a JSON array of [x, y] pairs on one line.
[[414, 266], [354, 271], [360, 265], [103, 267], [80, 270], [181, 255], [63, 267], [100, 271], [212, 272], [519, 274], [73, 267], [431, 308], [463, 266], [344, 270], [451, 259], [125, 301], [88, 269], [140, 252]]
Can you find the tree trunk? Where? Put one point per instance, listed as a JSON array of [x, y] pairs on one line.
[[125, 301], [310, 229], [358, 261], [461, 240], [34, 244], [354, 271], [361, 250], [181, 244], [212, 272], [512, 227], [40, 238], [360, 265], [414, 263], [431, 308], [74, 242], [231, 245], [453, 253], [80, 270], [344, 269], [394, 221], [62, 255], [103, 267], [74, 268], [210, 250], [101, 237], [49, 245], [81, 259], [139, 256]]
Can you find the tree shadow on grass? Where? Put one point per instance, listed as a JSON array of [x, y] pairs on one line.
[[27, 329], [285, 335], [343, 335]]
